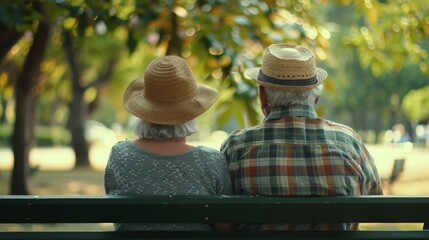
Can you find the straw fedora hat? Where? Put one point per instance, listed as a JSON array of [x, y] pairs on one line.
[[288, 67], [168, 94]]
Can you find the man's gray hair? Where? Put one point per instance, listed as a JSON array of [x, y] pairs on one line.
[[148, 130], [278, 98]]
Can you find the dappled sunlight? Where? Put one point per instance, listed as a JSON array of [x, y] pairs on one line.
[[52, 159], [98, 157], [57, 227], [82, 188], [57, 158], [399, 226], [416, 164], [411, 187]]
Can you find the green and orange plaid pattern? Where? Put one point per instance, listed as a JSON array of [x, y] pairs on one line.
[[295, 153]]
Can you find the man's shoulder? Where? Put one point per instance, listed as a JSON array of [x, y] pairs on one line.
[[239, 136], [238, 133], [341, 128]]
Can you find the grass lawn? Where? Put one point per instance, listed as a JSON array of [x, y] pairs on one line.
[[82, 182]]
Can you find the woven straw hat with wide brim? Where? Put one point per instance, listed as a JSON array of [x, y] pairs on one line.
[[288, 67], [168, 94]]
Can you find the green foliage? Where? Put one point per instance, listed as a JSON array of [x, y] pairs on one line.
[[221, 38], [5, 134], [17, 14], [370, 65], [51, 136], [416, 104], [390, 33], [365, 45]]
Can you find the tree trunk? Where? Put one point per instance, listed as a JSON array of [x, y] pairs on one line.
[[3, 111], [22, 138], [393, 117], [378, 126], [76, 125], [175, 43], [409, 127], [78, 106], [25, 105]]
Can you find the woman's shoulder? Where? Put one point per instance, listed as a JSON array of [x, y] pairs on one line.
[[122, 145], [211, 153]]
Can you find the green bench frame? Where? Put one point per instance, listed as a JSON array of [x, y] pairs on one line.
[[215, 209]]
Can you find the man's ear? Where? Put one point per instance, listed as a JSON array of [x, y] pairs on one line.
[[264, 101], [316, 100]]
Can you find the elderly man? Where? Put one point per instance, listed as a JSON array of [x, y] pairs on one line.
[[293, 152]]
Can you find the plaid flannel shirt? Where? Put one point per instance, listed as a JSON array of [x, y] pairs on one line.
[[295, 153]]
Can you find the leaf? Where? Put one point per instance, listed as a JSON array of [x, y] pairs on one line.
[[241, 20], [252, 114], [238, 109], [224, 116]]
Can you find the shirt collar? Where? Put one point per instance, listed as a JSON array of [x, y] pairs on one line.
[[291, 111]]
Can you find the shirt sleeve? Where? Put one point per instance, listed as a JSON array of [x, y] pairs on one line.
[[371, 183]]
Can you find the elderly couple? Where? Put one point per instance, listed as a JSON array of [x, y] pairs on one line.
[[292, 152]]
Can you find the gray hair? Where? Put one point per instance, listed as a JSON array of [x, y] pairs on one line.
[[148, 130], [277, 97]]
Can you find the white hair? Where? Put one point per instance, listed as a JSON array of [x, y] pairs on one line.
[[277, 97], [148, 130]]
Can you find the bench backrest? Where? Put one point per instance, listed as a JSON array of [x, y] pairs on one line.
[[212, 209]]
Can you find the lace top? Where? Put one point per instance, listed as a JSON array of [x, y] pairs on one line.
[[131, 170]]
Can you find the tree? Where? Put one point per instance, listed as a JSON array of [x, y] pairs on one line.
[[416, 104], [372, 62], [25, 97], [79, 107], [21, 17], [391, 33], [220, 38], [91, 21]]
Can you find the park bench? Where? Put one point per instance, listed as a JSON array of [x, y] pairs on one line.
[[213, 209], [397, 170]]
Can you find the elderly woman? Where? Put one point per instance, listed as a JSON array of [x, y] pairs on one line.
[[166, 101]]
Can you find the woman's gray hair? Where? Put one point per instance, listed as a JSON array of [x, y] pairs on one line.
[[148, 130], [277, 98]]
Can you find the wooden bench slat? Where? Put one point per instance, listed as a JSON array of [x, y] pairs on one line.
[[207, 209], [210, 209], [308, 235]]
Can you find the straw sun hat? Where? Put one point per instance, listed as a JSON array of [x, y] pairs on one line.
[[288, 67], [168, 94]]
